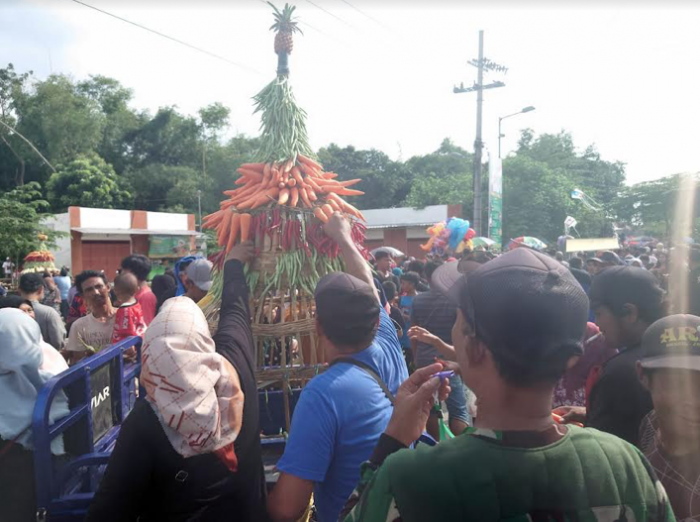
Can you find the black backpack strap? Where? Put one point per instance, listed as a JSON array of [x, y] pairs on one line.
[[368, 369]]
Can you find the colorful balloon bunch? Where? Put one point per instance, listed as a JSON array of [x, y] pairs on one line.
[[451, 237]]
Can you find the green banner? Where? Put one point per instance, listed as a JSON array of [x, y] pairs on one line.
[[496, 202], [169, 246]]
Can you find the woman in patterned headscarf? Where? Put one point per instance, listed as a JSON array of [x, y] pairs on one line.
[[191, 449]]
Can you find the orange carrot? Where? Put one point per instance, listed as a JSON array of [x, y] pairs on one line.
[[349, 192], [320, 215], [245, 227], [327, 210], [284, 197], [252, 174], [267, 174], [294, 196], [329, 175], [251, 200], [296, 174], [350, 182], [241, 180], [334, 205], [312, 193], [223, 232], [233, 232], [274, 177], [310, 162], [312, 183], [254, 166], [304, 197], [291, 182], [265, 197]]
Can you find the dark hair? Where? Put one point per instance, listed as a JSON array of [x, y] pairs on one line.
[[47, 274], [389, 290], [162, 283], [416, 266], [84, 276], [616, 287], [381, 255], [126, 283], [576, 262], [411, 277], [431, 266], [14, 301], [137, 264], [31, 283], [64, 271]]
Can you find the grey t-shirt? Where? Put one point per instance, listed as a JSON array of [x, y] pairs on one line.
[[52, 328], [435, 313]]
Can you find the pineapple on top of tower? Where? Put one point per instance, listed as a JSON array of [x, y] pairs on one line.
[[285, 26]]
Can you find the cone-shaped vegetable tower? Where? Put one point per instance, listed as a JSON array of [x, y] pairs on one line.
[[39, 260], [280, 203]]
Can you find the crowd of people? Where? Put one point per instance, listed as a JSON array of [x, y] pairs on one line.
[[570, 388]]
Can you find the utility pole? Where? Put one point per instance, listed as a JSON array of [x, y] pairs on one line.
[[478, 144], [199, 208], [482, 64]]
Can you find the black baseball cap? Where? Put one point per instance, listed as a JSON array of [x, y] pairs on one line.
[[527, 308], [672, 342], [344, 304], [616, 286]]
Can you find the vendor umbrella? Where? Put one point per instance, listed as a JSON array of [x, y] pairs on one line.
[[527, 241], [483, 242], [395, 252]]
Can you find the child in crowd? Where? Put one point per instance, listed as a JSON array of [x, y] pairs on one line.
[[670, 369], [129, 320]]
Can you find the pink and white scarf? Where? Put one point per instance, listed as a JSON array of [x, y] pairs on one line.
[[194, 391]]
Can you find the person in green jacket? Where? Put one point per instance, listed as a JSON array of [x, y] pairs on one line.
[[520, 321]]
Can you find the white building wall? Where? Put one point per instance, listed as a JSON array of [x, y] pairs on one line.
[[60, 223]]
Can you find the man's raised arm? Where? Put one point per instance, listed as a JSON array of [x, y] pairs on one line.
[[338, 228]]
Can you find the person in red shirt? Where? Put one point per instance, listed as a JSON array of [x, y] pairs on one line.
[[129, 320], [140, 266]]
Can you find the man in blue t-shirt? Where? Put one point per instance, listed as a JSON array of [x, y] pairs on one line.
[[342, 412]]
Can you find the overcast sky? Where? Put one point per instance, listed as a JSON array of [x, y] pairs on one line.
[[380, 74]]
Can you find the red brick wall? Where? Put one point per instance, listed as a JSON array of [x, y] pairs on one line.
[[414, 248], [396, 237], [139, 244], [76, 247], [139, 219]]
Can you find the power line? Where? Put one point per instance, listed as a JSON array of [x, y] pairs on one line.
[[363, 13], [176, 40], [330, 14]]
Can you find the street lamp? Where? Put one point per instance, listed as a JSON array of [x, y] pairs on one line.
[[500, 135]]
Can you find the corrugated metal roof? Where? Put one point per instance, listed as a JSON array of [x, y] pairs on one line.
[[405, 216]]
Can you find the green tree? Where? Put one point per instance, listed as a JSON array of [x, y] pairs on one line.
[[12, 86], [87, 181], [650, 207], [386, 183], [20, 215], [113, 100], [162, 187], [59, 120], [442, 177]]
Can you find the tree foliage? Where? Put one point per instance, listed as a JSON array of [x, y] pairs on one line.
[[20, 215], [87, 181], [112, 155]]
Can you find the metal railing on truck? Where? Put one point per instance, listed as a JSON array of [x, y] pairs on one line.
[[101, 391]]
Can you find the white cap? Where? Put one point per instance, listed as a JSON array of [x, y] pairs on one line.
[[199, 272]]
